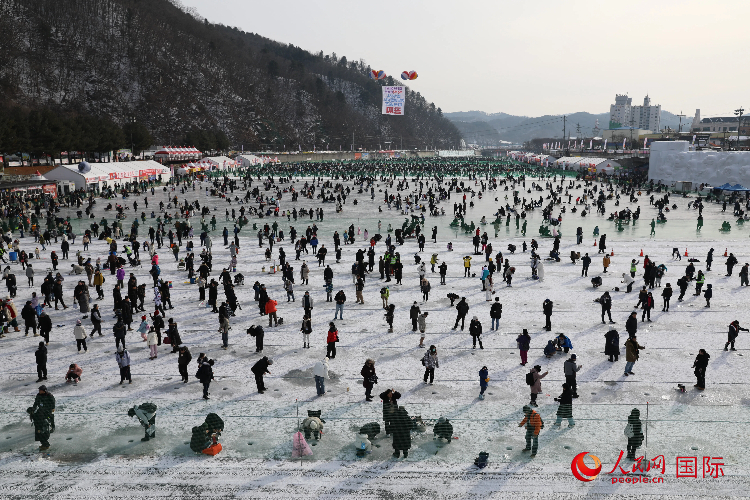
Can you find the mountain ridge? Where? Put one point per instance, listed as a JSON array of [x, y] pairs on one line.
[[486, 129], [164, 66]]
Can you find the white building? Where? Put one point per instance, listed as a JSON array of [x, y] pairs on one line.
[[673, 161], [102, 175], [619, 112], [623, 114], [717, 123]]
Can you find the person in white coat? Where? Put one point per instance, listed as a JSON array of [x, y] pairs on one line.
[[540, 270], [152, 342], [320, 371], [80, 335]]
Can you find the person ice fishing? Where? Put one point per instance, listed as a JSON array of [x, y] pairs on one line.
[[534, 424], [401, 430], [547, 309], [571, 369], [634, 432], [146, 414], [565, 410], [699, 369], [205, 437], [612, 345], [42, 415], [734, 331]]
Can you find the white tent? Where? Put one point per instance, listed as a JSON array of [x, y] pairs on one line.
[[103, 174], [220, 162]]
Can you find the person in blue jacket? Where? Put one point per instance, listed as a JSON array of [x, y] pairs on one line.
[[563, 343], [484, 379]]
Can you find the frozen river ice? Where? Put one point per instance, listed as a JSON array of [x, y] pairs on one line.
[[97, 451]]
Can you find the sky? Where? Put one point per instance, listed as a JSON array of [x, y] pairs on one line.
[[525, 58]]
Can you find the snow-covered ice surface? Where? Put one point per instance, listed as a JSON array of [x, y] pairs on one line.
[[96, 450]]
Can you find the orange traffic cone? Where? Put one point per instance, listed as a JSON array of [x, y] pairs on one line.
[[595, 242], [686, 252], [641, 253], [612, 254], [725, 253]]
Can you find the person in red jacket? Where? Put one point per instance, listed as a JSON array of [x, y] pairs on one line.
[[271, 311], [333, 337]]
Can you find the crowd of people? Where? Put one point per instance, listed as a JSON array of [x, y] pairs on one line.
[[267, 208]]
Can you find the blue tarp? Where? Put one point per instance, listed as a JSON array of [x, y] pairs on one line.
[[729, 187]]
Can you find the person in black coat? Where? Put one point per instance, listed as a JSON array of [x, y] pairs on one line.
[[183, 361], [683, 284], [612, 345], [174, 335], [165, 295], [259, 369], [631, 325], [119, 330], [45, 326], [206, 375], [401, 429], [475, 330], [158, 323], [666, 294], [29, 318], [57, 289], [585, 262], [606, 302], [369, 378], [634, 432], [547, 308], [126, 313], [41, 362], [96, 320], [213, 295], [496, 312], [699, 367], [390, 405], [565, 410], [47, 291], [731, 262], [734, 331], [463, 309], [413, 315]]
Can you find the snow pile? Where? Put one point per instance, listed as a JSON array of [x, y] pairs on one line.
[[672, 161]]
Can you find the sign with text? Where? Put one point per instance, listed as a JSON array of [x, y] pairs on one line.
[[394, 98]]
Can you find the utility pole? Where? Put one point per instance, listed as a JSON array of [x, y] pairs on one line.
[[738, 112], [578, 134], [632, 124], [679, 130], [564, 120]]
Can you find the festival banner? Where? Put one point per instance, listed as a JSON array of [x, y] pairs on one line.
[[394, 98]]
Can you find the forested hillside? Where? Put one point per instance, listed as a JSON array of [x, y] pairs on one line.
[[152, 63]]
